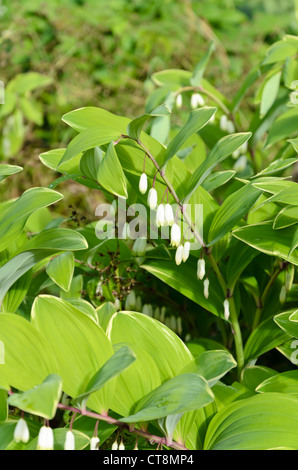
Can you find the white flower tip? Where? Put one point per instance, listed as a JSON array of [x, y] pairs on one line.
[[94, 442], [178, 255], [143, 184], [175, 235], [206, 288], [226, 309], [179, 101], [21, 432], [160, 215], [201, 269], [69, 441], [121, 446], [115, 446], [185, 252], [45, 439], [169, 215], [152, 198]]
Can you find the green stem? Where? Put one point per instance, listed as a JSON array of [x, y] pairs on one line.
[[237, 336]]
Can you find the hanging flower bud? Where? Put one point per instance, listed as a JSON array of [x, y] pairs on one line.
[[226, 309], [236, 154], [283, 295], [69, 441], [139, 246], [143, 183], [156, 313], [130, 301], [169, 215], [115, 445], [45, 438], [206, 288], [160, 215], [121, 446], [187, 337], [240, 164], [179, 101], [175, 235], [196, 100], [201, 269], [179, 326], [163, 314], [179, 254], [223, 123], [185, 252], [21, 431], [230, 127], [147, 310], [117, 304], [138, 303], [152, 198], [94, 442], [173, 323]]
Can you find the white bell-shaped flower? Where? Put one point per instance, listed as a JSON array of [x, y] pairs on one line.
[[179, 255], [206, 288], [115, 445], [139, 246], [196, 100], [152, 198], [223, 123], [179, 101], [185, 252], [201, 269], [94, 441], [147, 310], [240, 164], [138, 304], [69, 441], [143, 183], [169, 215], [45, 439], [160, 215], [130, 301], [175, 235], [21, 431], [226, 309], [230, 127], [121, 446]]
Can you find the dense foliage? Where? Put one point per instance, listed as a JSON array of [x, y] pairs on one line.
[[167, 314]]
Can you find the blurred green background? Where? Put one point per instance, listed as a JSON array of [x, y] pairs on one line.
[[102, 53]]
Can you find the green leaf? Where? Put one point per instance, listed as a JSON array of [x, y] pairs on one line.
[[13, 219], [198, 118], [261, 422], [264, 238], [122, 359], [253, 376], [61, 269], [212, 365], [88, 139], [285, 382], [16, 293], [79, 345], [172, 78], [63, 239], [90, 162], [42, 400], [264, 338], [269, 93], [7, 170], [184, 279], [29, 358], [276, 166], [201, 66], [135, 127], [286, 217], [90, 116], [3, 405], [241, 255], [224, 147], [185, 392], [280, 51], [284, 320], [105, 313], [110, 174], [217, 179], [231, 212], [26, 82], [286, 196], [284, 126]]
